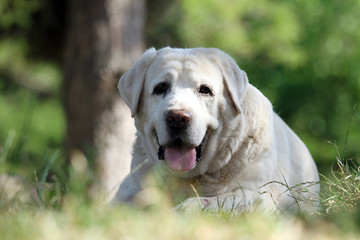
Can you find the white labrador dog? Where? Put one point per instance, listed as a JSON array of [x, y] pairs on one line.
[[195, 109]]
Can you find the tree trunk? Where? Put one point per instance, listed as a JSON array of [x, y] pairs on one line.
[[104, 38]]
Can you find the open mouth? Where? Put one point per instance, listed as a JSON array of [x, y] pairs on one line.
[[181, 157]]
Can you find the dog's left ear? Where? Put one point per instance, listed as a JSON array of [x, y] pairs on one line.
[[131, 83], [236, 80]]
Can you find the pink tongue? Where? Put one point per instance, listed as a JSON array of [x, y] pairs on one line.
[[180, 159]]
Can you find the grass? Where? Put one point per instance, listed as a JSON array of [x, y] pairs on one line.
[[80, 220], [54, 210], [343, 189]]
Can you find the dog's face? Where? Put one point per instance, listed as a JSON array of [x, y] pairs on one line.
[[176, 96], [182, 96]]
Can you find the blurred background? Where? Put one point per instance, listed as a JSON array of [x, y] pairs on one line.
[[60, 62]]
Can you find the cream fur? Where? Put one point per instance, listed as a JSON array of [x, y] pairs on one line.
[[250, 155]]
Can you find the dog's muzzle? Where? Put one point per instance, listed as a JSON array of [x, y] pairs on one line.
[[179, 156]]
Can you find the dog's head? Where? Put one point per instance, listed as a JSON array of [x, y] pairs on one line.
[[176, 96]]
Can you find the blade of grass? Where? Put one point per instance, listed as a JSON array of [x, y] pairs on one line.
[[7, 147], [45, 173]]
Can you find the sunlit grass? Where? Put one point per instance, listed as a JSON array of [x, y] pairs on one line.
[[46, 207], [79, 219], [342, 188]]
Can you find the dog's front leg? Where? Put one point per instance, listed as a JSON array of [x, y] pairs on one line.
[[229, 202], [132, 184]]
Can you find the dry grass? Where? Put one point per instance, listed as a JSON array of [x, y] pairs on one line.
[[58, 211], [79, 220], [75, 216]]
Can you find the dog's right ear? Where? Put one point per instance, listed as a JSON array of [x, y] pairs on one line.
[[235, 79], [131, 83]]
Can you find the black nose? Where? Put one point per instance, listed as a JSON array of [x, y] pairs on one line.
[[178, 119]]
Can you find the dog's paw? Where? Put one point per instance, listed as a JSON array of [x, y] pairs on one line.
[[195, 205], [227, 204]]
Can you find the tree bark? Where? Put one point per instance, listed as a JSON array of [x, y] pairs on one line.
[[104, 38]]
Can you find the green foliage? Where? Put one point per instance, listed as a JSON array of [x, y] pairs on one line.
[[30, 108], [38, 125], [244, 28], [17, 13]]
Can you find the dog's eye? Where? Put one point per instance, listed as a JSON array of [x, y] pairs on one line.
[[161, 88], [205, 90]]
